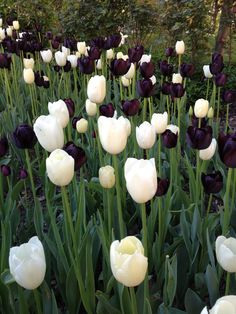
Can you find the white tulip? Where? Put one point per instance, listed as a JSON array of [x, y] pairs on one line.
[[9, 31], [86, 51], [120, 55], [60, 58], [224, 305], [16, 25], [46, 55], [60, 167], [207, 72], [28, 63], [208, 153], [210, 113], [125, 82], [78, 54], [99, 64], [107, 177], [65, 50], [130, 74], [145, 58], [73, 60], [201, 108], [153, 79], [113, 133], [81, 47], [59, 110], [2, 33], [146, 135], [82, 125], [123, 38], [96, 89], [226, 253], [27, 264], [128, 263], [49, 132], [28, 75], [110, 54], [180, 47], [141, 179], [159, 121], [177, 78], [91, 108]]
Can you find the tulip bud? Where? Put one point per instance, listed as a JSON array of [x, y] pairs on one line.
[[141, 179], [177, 78], [110, 54], [226, 304], [128, 263], [145, 88], [159, 121], [96, 89], [6, 170], [190, 111], [60, 58], [170, 136], [91, 108], [135, 53], [170, 52], [107, 177], [3, 146], [225, 253], [82, 125], [130, 74], [16, 25], [28, 75], [208, 153], [60, 167], [207, 72], [23, 174], [201, 108], [210, 113], [49, 132], [177, 90], [81, 47], [166, 69], [125, 82], [145, 135], [212, 182], [180, 47], [59, 110], [9, 31], [24, 260], [145, 58]]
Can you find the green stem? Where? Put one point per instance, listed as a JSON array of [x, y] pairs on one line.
[[37, 301], [227, 214], [208, 83], [144, 237], [30, 174], [209, 204], [159, 154], [218, 109], [227, 118], [227, 283], [109, 214], [133, 300], [121, 89], [144, 109]]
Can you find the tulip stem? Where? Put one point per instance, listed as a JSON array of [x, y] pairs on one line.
[[209, 204], [179, 62], [208, 83], [118, 197], [227, 214], [109, 214], [37, 301], [121, 89], [218, 109], [134, 81], [227, 118], [133, 300], [30, 174], [144, 108], [159, 154], [227, 283]]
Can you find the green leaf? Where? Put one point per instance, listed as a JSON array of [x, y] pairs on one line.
[[192, 302]]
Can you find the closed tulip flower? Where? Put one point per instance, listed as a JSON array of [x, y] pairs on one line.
[[187, 70], [225, 253], [125, 82], [130, 107], [119, 67], [60, 58], [110, 54], [9, 31], [96, 89], [135, 53], [226, 304], [141, 179], [166, 69], [107, 177], [169, 138], [220, 79], [128, 263], [113, 134], [73, 60], [27, 263], [177, 90], [145, 88], [23, 174], [112, 41], [82, 125], [77, 153], [65, 50], [28, 75], [3, 146], [217, 64], [130, 74], [70, 106], [49, 132], [162, 186], [166, 88], [107, 110], [94, 53], [227, 149], [16, 25], [2, 34], [207, 72], [208, 153], [81, 47], [60, 167], [147, 69], [59, 110], [210, 113], [201, 108], [24, 136], [145, 58], [5, 170], [180, 47], [159, 121], [229, 96], [86, 65], [170, 52], [177, 78], [212, 182], [199, 138], [91, 108], [145, 135], [46, 55]]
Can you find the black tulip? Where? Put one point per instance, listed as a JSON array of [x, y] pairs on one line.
[[86, 65], [147, 69], [217, 57], [135, 54], [49, 35], [130, 107], [77, 153], [55, 44], [177, 90], [166, 69], [145, 88], [169, 139], [67, 66], [6, 170], [227, 149], [24, 136], [70, 106], [212, 182], [38, 79], [98, 42], [119, 67], [46, 83], [112, 41], [5, 61], [229, 96], [199, 138], [220, 79], [162, 186], [23, 174], [165, 88], [94, 53], [3, 146], [187, 70], [170, 52], [107, 110]]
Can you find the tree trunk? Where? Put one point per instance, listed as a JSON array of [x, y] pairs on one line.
[[224, 25]]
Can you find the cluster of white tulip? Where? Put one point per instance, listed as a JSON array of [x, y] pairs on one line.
[[9, 30], [28, 73]]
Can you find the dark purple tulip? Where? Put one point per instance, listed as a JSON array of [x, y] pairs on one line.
[[24, 136], [49, 35], [216, 67], [147, 69], [165, 88], [199, 138], [170, 52], [187, 70], [55, 44], [107, 110], [112, 41], [57, 68], [5, 61], [46, 83], [98, 42], [177, 90], [3, 146], [217, 57], [38, 79], [212, 182], [162, 186], [70, 43], [145, 88], [169, 139], [135, 54], [229, 96], [67, 66], [23, 174], [119, 67], [77, 153], [6, 170], [86, 65], [37, 46], [10, 20], [70, 106], [166, 69], [130, 107], [94, 53], [220, 79], [195, 122], [227, 149]]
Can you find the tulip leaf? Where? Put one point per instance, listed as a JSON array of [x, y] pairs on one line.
[[193, 303], [7, 277], [212, 284]]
